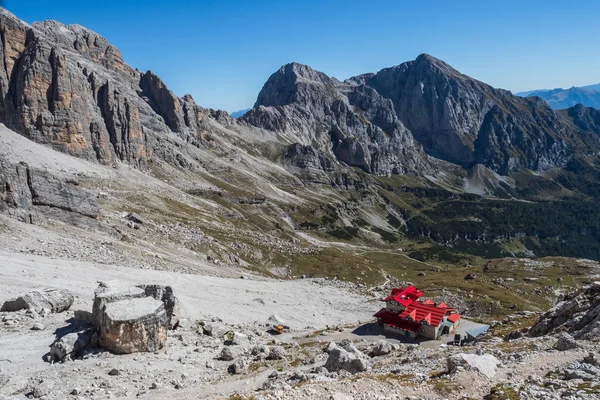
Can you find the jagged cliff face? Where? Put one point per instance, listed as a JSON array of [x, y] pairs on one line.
[[464, 121], [350, 123], [377, 121], [67, 87]]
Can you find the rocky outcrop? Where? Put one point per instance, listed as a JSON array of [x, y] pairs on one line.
[[585, 118], [53, 300], [26, 192], [577, 313]]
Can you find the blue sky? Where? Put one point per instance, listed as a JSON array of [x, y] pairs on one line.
[[222, 51]]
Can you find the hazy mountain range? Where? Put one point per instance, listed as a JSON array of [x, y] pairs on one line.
[[560, 98]]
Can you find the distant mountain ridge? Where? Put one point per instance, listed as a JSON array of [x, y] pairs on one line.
[[560, 98], [239, 113]]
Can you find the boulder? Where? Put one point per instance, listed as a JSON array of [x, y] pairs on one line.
[[215, 329], [565, 342], [133, 319], [73, 344], [133, 217], [381, 348], [109, 292], [239, 338], [43, 389], [134, 325], [330, 346], [276, 353], [340, 359], [485, 364], [238, 367], [55, 300], [349, 347], [228, 353], [275, 320], [260, 351]]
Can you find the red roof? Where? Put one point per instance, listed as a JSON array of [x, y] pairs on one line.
[[404, 296], [453, 318], [442, 305], [393, 319], [429, 302], [421, 312]]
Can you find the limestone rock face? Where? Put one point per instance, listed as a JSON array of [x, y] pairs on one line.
[[578, 314], [464, 121], [378, 122], [343, 121], [133, 319], [55, 300], [25, 191], [67, 87]]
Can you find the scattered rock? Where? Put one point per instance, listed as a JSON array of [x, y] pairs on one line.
[[228, 353], [261, 351], [38, 327], [565, 342], [330, 346], [276, 353], [43, 389], [55, 300], [72, 344], [239, 338], [215, 329], [485, 364], [133, 217], [381, 348], [470, 277], [340, 359], [113, 372], [238, 367]]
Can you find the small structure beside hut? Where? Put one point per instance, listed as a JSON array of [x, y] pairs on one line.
[[408, 315]]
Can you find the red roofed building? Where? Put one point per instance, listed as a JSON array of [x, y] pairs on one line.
[[406, 315]]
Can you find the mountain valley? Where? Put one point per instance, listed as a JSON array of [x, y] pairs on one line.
[[416, 174]]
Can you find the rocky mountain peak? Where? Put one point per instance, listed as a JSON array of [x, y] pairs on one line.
[[292, 82], [427, 60]]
